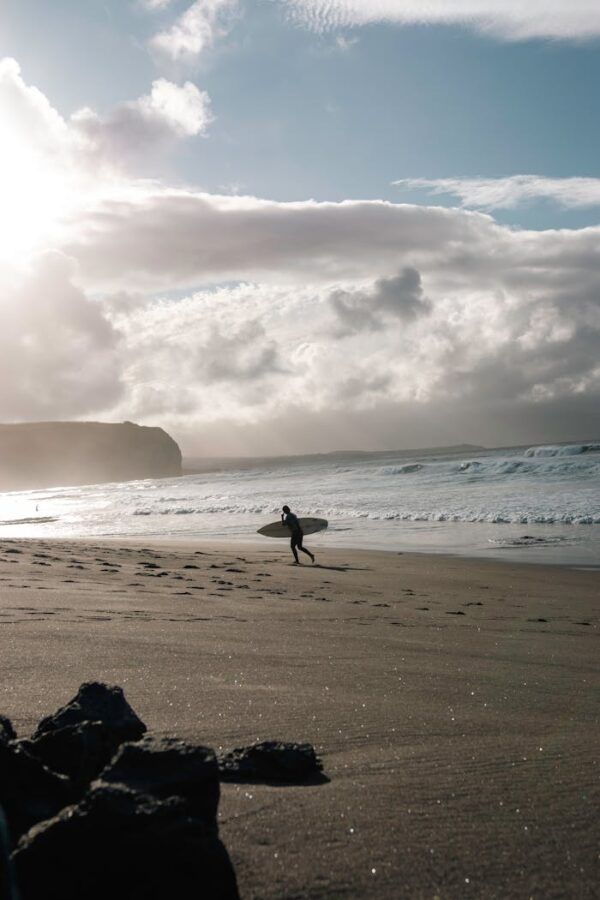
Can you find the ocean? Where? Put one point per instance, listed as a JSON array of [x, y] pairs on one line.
[[539, 503]]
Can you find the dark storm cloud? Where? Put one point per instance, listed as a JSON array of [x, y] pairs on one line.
[[399, 297]]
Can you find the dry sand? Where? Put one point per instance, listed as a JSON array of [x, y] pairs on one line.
[[454, 703]]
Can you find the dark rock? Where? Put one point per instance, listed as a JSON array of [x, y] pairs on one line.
[[78, 751], [29, 792], [119, 844], [166, 767], [97, 702], [7, 732], [272, 761], [8, 887]]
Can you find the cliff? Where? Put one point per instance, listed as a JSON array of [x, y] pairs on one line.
[[46, 454]]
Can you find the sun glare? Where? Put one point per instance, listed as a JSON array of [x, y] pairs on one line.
[[34, 194]]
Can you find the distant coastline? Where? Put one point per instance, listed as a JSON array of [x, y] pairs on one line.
[[195, 465]]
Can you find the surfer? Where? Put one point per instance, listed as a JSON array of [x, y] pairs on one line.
[[291, 520]]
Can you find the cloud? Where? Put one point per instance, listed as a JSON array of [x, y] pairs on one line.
[[153, 5], [510, 192], [164, 239], [360, 322], [144, 125], [242, 356], [196, 29], [345, 43], [257, 368], [507, 19], [59, 355], [399, 297], [51, 166]]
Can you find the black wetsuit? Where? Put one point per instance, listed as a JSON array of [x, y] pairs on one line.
[[291, 520]]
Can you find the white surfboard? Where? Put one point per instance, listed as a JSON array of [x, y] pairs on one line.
[[279, 530]]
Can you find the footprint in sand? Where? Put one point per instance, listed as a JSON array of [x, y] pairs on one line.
[[455, 612], [537, 620]]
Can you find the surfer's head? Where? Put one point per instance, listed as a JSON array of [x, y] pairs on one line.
[[286, 509]]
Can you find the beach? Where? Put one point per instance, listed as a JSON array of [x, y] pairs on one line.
[[453, 702]]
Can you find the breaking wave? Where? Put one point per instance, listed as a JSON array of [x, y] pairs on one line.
[[566, 450], [407, 469]]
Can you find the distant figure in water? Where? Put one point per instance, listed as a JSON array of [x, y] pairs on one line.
[[288, 518]]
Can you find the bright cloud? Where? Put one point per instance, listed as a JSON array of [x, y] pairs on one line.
[[196, 29], [508, 193], [263, 359], [140, 127], [52, 167], [36, 178], [509, 19]]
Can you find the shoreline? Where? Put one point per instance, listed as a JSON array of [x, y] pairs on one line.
[[452, 701], [190, 543]]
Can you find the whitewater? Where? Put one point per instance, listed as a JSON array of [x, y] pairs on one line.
[[539, 503]]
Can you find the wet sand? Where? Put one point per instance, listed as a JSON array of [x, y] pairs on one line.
[[454, 702]]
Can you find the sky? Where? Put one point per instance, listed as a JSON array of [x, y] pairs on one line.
[[288, 226]]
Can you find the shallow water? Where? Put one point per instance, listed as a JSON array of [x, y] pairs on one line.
[[534, 504]]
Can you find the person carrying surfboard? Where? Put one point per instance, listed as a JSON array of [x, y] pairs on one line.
[[291, 520]]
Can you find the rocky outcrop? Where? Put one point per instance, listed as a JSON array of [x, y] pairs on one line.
[[7, 732], [166, 767], [29, 791], [46, 454], [94, 809], [146, 829], [96, 702], [119, 843], [272, 762], [78, 751]]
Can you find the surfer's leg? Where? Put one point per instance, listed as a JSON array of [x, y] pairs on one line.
[[293, 546], [303, 548]]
